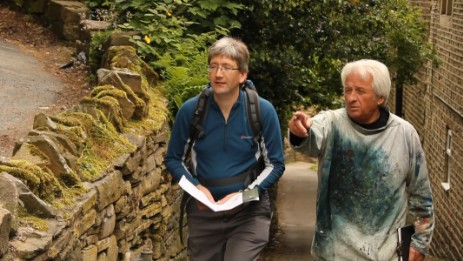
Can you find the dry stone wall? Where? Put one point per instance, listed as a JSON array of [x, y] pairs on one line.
[[89, 183]]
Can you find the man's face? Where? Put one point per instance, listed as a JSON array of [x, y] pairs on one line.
[[362, 104], [226, 78]]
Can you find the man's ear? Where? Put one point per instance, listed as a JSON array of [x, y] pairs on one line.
[[380, 101], [243, 77]]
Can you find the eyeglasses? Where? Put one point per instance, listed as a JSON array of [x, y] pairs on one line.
[[223, 69]]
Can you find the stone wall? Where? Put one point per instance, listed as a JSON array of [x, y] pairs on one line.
[[89, 183], [434, 106], [63, 16]]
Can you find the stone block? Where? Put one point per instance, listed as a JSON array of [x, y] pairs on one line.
[[131, 165], [43, 122], [88, 28], [134, 81], [151, 210], [84, 224], [109, 245], [109, 189], [31, 243], [30, 201], [120, 204], [159, 156], [90, 253], [5, 227], [151, 181], [109, 222], [150, 162], [64, 241], [65, 17], [9, 196], [56, 162], [62, 141]]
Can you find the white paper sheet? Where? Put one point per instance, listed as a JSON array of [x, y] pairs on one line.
[[233, 202]]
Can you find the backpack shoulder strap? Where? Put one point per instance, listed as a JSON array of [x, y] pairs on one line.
[[253, 108], [201, 109], [196, 132]]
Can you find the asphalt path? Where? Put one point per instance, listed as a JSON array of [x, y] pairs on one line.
[[295, 202], [26, 89]]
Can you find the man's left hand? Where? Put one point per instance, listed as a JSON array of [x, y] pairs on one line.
[[226, 198]]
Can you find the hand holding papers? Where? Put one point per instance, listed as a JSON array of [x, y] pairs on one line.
[[238, 199]]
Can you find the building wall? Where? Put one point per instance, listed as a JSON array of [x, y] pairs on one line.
[[434, 105]]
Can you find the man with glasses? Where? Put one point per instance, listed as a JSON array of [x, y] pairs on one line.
[[226, 150]]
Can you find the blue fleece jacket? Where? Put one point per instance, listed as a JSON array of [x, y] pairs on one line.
[[227, 148]]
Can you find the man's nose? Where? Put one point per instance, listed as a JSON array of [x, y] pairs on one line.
[[351, 96]]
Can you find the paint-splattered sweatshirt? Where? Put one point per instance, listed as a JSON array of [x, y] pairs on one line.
[[369, 180]]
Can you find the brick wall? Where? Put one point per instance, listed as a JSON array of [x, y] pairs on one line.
[[434, 105]]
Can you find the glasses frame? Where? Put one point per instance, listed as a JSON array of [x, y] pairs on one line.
[[215, 68]]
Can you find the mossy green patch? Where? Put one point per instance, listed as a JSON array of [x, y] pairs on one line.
[[37, 152], [157, 114], [124, 57], [31, 220], [111, 109], [39, 180]]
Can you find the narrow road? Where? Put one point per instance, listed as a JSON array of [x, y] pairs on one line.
[[25, 90], [296, 200]]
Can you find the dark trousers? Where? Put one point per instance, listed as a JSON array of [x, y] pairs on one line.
[[229, 236]]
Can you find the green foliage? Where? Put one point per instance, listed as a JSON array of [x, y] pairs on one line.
[[299, 47], [173, 37], [163, 24], [96, 49], [184, 70]]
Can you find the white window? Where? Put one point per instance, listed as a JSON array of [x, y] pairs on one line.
[[448, 159]]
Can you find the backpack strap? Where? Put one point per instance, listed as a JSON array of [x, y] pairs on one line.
[[253, 109], [196, 132], [201, 109]]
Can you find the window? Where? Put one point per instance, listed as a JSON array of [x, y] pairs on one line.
[[446, 7], [448, 159]]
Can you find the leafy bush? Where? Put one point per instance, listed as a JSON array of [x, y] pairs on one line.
[[299, 47], [174, 38], [184, 71]]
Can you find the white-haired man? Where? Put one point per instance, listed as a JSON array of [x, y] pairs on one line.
[[372, 172]]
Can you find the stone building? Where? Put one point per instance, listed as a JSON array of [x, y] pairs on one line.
[[435, 107]]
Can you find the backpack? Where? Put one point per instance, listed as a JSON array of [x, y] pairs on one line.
[[197, 131]]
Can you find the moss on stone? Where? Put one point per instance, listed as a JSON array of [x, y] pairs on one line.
[[124, 57], [100, 140], [111, 108], [40, 181], [29, 219], [107, 90], [37, 152], [69, 196], [157, 115], [104, 144]]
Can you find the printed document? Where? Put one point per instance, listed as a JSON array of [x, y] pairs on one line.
[[236, 200]]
